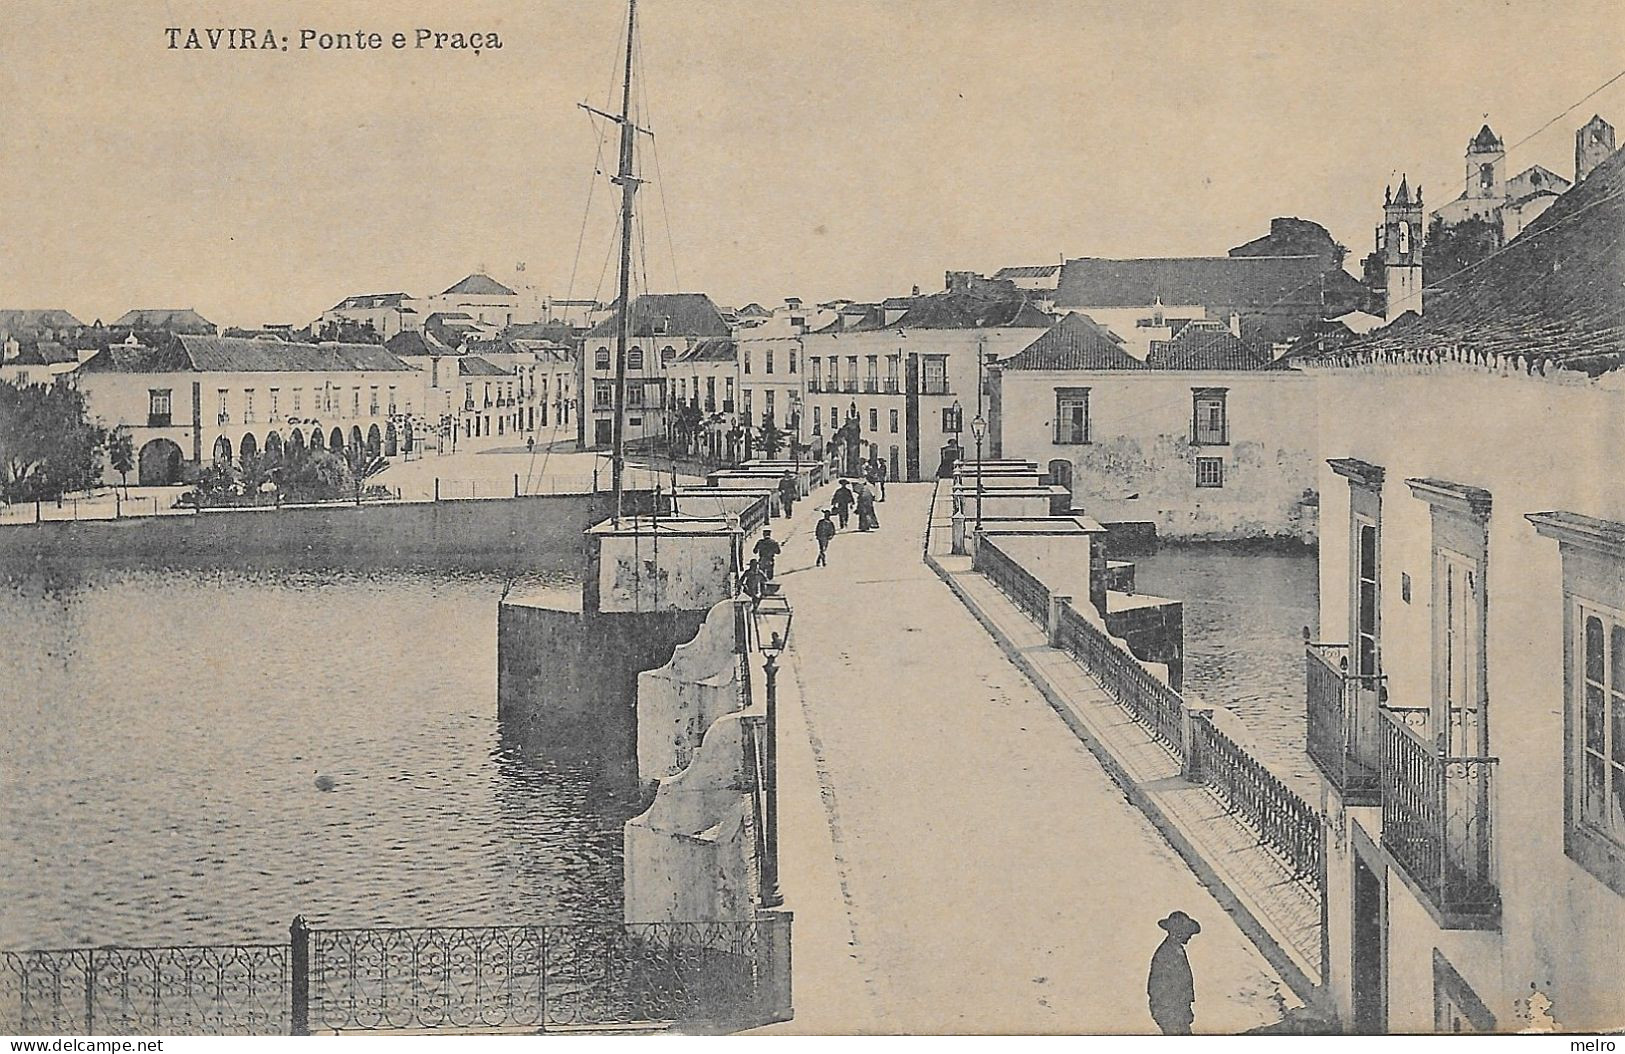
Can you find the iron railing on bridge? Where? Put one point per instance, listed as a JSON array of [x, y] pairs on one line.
[[1283, 821], [1150, 701], [1013, 580], [469, 978]]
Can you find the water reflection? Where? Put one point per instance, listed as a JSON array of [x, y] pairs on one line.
[[1245, 610], [167, 731]]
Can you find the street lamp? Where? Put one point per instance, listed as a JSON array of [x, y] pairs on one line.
[[978, 428], [773, 615]]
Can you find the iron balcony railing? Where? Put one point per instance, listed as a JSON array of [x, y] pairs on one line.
[[1438, 820], [466, 978], [1283, 820], [872, 386], [891, 385], [1150, 701], [1344, 721]]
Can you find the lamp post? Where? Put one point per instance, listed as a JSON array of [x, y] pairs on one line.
[[773, 616], [978, 428]]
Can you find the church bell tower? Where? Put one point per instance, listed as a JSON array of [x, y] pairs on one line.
[[1399, 241]]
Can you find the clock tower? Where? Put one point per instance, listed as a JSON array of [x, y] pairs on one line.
[[1399, 244]]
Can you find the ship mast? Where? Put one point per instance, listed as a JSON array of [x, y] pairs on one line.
[[629, 186]]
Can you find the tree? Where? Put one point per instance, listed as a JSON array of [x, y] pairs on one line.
[[121, 455], [1456, 246], [771, 437], [48, 445]]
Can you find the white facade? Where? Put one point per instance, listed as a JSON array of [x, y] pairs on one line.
[[1476, 617]]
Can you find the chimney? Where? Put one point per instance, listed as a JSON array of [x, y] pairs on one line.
[[916, 291], [1235, 324], [11, 349]]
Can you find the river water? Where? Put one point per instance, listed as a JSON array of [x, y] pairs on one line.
[[1245, 610], [195, 753]]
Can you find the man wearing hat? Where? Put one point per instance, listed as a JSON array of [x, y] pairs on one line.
[[1170, 987]]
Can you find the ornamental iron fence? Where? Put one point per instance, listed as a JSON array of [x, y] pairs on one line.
[[1283, 821], [467, 978]]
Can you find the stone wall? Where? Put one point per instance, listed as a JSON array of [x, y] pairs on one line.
[[679, 701]]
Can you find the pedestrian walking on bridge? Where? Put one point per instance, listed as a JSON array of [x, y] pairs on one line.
[[788, 489], [824, 532], [842, 502], [1170, 988], [767, 551]]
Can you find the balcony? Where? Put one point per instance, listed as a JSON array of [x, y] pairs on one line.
[[891, 386], [851, 387], [158, 420], [871, 386], [1437, 822], [812, 385], [1345, 722]]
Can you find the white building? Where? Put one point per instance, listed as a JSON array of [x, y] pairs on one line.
[[663, 326], [194, 399], [1468, 708], [1207, 438]]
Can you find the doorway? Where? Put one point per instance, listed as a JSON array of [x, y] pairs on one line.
[[1369, 973]]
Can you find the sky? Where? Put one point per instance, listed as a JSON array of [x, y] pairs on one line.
[[815, 148]]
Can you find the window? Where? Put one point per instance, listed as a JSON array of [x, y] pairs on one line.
[[1071, 415], [667, 353], [158, 407], [728, 395], [600, 359], [767, 360], [746, 407], [355, 402], [711, 395], [834, 374], [22, 378], [391, 400], [953, 419], [871, 382], [248, 404], [1601, 705], [792, 361], [817, 422], [1209, 426], [220, 407], [851, 373], [298, 398], [874, 419], [769, 400], [1593, 595], [1209, 472], [434, 373], [372, 401], [634, 395], [1486, 178], [894, 416], [603, 394], [894, 364], [274, 398], [745, 357], [812, 372], [934, 375], [634, 358]]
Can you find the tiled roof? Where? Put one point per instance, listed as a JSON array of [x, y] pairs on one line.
[[1555, 293], [1219, 283], [198, 354], [416, 342], [42, 353], [561, 332], [713, 349], [1043, 271], [945, 311], [1076, 342], [753, 310], [672, 314], [1205, 348], [479, 285], [370, 301], [13, 320], [172, 320], [474, 366]]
